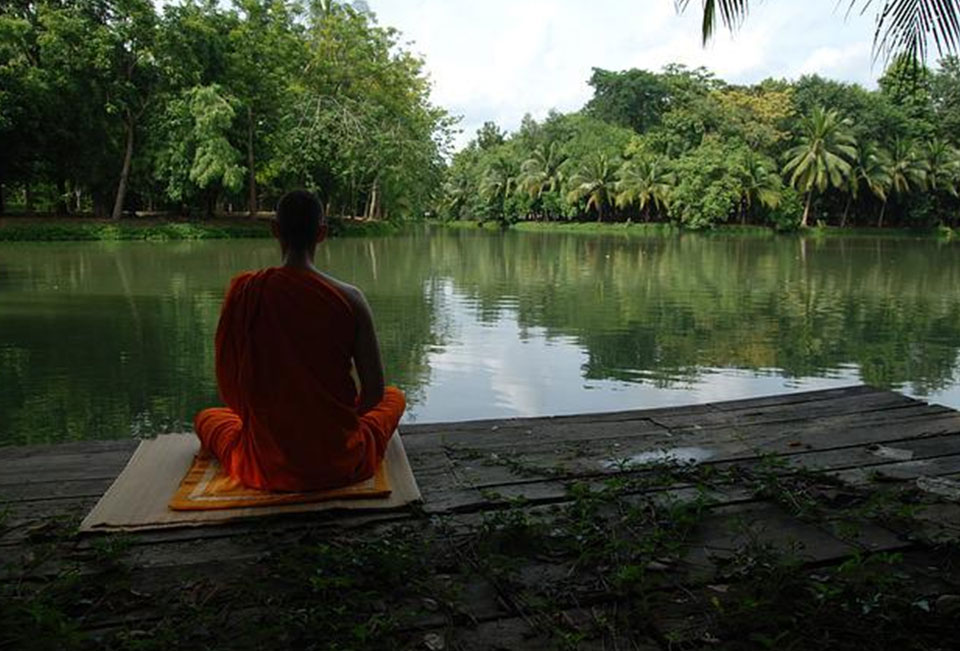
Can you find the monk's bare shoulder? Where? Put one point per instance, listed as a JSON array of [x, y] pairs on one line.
[[353, 294]]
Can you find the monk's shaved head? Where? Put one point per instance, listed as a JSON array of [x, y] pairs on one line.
[[299, 217]]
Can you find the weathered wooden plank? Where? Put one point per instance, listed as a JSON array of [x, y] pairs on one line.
[[537, 434], [853, 431], [486, 425], [484, 468], [707, 427], [640, 414], [18, 513], [779, 414], [902, 471], [873, 455], [74, 466], [62, 467], [837, 462], [839, 431], [55, 490], [27, 479], [796, 398], [11, 452]]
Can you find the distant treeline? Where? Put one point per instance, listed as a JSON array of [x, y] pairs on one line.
[[107, 106], [685, 147]]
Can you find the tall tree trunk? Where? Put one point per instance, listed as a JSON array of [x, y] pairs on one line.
[[3, 204], [883, 209], [375, 200], [252, 176], [211, 203], [806, 210], [124, 172], [28, 198], [846, 210]]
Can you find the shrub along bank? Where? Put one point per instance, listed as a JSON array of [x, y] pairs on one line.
[[63, 230]]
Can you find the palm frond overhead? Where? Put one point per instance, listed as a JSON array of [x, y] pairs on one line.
[[730, 12], [902, 26], [906, 27]]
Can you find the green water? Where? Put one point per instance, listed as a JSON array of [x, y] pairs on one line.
[[115, 340]]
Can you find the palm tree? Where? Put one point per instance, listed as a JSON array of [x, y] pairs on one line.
[[908, 171], [595, 181], [943, 166], [822, 159], [497, 185], [645, 181], [456, 191], [902, 26], [759, 183], [871, 168], [541, 172]]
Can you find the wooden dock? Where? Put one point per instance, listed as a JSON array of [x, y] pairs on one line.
[[832, 449]]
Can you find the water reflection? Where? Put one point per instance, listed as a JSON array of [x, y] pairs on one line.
[[112, 340]]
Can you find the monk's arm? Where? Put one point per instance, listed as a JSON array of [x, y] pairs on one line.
[[366, 357], [227, 353]]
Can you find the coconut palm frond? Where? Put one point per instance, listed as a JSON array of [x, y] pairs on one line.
[[730, 12], [907, 26], [902, 26]]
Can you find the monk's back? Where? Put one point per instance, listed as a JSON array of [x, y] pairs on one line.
[[284, 355]]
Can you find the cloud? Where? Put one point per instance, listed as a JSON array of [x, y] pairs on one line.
[[500, 59], [842, 62]]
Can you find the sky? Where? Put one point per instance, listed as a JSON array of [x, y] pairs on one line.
[[499, 59]]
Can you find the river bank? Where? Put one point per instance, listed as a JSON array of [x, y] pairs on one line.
[[61, 229], [79, 229], [943, 233]]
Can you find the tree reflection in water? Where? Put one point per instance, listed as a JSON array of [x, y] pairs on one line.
[[113, 340]]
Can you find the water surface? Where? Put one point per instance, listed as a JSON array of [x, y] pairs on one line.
[[112, 340]]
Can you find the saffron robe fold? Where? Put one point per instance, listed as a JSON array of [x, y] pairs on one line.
[[284, 355]]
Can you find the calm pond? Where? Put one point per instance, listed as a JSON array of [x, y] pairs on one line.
[[112, 340]]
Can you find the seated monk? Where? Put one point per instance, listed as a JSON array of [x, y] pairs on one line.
[[288, 343]]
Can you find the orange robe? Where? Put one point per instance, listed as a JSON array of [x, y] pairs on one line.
[[284, 354]]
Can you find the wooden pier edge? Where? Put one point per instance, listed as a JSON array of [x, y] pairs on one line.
[[856, 434]]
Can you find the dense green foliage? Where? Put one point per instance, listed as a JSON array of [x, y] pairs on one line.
[[682, 146], [108, 106]]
